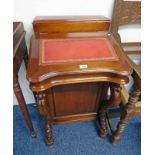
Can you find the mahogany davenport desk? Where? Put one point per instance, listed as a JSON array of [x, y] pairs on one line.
[[73, 63]]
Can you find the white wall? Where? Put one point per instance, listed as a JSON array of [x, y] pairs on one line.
[[26, 10]]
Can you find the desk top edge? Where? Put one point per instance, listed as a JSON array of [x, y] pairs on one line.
[[46, 19]]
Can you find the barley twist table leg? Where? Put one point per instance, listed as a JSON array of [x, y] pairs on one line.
[[102, 111], [115, 99], [126, 114], [49, 133], [103, 126]]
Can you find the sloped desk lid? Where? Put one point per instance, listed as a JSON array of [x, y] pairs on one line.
[[53, 57], [72, 50]]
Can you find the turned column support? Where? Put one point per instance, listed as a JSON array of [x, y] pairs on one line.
[[102, 111], [115, 99], [44, 109], [49, 133], [126, 114], [102, 122]]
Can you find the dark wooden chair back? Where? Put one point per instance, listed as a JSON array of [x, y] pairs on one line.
[[126, 12]]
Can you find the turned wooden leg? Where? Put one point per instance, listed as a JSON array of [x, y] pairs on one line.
[[22, 105], [48, 132], [44, 108], [115, 99], [126, 114], [102, 111], [103, 126]]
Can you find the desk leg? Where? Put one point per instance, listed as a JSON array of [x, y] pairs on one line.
[[126, 114], [115, 99], [25, 58], [102, 111], [103, 126], [22, 104], [44, 108]]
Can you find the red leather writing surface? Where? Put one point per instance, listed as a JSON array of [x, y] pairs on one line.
[[53, 51]]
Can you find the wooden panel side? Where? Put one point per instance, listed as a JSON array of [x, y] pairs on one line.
[[76, 98]]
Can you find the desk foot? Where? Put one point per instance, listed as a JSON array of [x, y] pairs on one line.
[[48, 133], [33, 134], [103, 133]]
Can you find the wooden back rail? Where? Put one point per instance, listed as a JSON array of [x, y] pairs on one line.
[[68, 24]]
